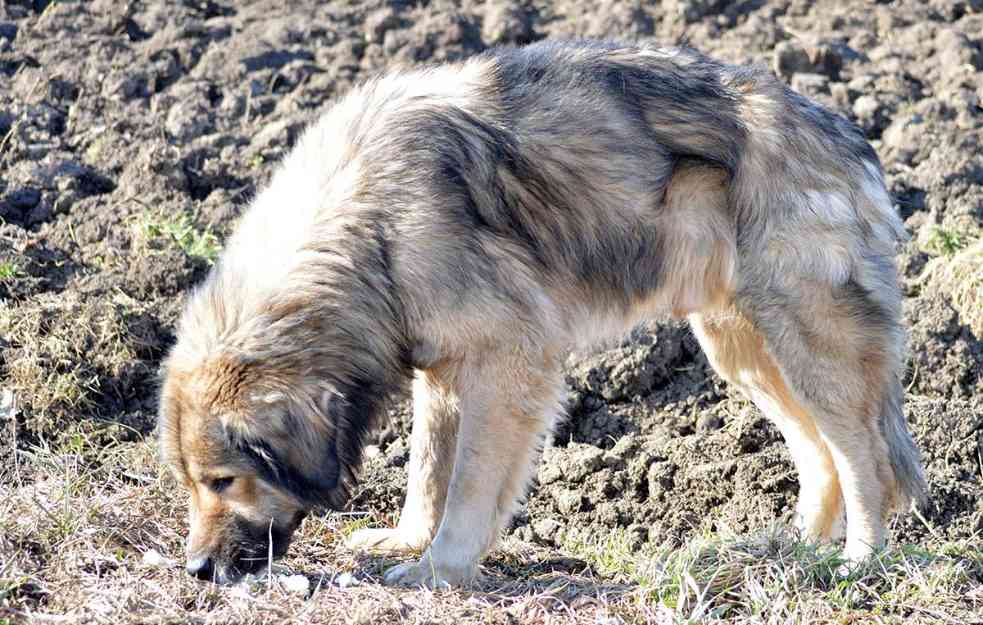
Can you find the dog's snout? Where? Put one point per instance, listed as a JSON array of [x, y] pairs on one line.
[[202, 567]]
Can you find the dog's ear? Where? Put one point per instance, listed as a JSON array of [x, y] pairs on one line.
[[266, 416], [171, 412], [310, 447], [289, 448], [353, 415]]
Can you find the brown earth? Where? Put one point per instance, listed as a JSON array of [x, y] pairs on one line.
[[134, 133]]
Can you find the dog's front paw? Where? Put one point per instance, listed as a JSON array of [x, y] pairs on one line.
[[428, 575], [384, 541]]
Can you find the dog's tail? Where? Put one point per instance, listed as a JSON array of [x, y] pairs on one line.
[[905, 459]]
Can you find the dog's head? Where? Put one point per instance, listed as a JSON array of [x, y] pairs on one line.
[[257, 449]]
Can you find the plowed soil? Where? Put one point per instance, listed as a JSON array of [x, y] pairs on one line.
[[134, 133]]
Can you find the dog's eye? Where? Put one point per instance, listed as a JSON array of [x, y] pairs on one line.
[[220, 484]]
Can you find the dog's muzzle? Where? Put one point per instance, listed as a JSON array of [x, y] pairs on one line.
[[202, 567]]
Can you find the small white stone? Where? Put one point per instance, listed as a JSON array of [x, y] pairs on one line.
[[241, 592], [345, 580], [152, 557], [298, 584], [8, 404]]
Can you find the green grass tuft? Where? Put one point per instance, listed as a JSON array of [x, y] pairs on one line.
[[195, 243], [944, 241], [9, 270]]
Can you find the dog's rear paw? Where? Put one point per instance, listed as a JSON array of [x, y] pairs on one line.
[[384, 541], [820, 528], [425, 574]]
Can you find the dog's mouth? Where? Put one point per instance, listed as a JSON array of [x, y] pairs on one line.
[[251, 561], [249, 555], [243, 567]]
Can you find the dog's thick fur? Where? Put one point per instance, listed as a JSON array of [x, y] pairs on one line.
[[465, 225]]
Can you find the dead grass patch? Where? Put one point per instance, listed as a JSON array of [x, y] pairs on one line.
[[68, 355], [773, 577], [85, 542], [959, 275]]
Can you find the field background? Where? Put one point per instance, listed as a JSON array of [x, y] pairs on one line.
[[133, 133]]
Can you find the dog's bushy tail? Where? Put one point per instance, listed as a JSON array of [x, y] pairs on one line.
[[905, 459]]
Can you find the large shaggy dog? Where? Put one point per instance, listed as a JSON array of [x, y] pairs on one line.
[[463, 226]]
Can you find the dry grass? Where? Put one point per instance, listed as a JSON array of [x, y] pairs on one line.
[[78, 532], [66, 352], [960, 275], [773, 577]]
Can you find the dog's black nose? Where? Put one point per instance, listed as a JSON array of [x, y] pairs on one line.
[[202, 568]]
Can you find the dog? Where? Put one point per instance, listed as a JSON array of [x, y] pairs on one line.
[[461, 227]]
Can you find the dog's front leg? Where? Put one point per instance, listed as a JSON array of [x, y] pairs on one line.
[[507, 401], [432, 448]]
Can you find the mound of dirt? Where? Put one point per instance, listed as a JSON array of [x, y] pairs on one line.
[[131, 135]]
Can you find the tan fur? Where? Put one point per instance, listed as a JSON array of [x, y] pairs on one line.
[[698, 235], [503, 399]]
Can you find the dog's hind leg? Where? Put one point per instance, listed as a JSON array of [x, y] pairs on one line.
[[432, 446], [737, 352], [838, 349], [508, 400]]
